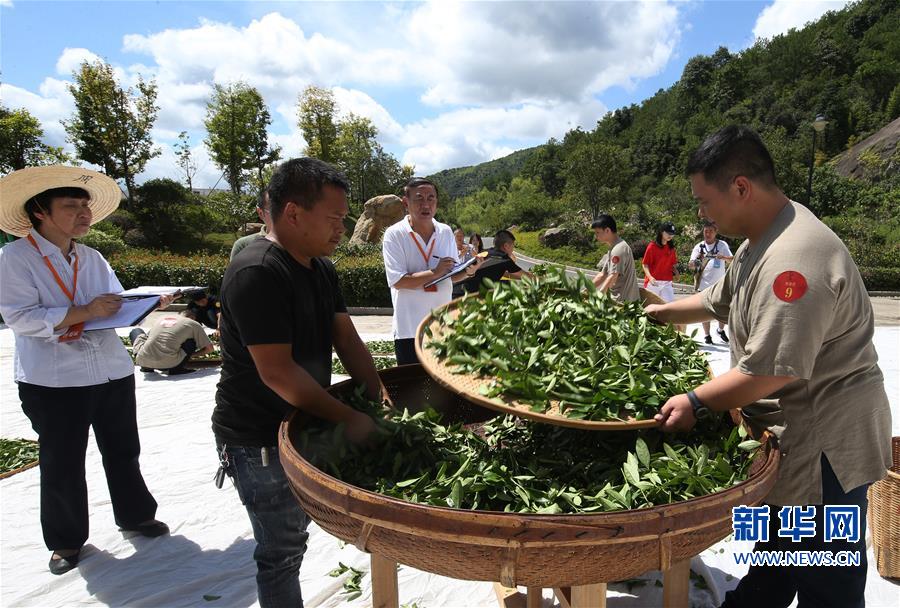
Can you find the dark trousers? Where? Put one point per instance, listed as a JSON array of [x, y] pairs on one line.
[[406, 351], [279, 524], [62, 417], [814, 586]]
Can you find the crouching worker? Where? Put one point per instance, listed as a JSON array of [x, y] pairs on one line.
[[171, 343], [70, 380], [276, 357]]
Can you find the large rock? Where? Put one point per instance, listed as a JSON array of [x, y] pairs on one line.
[[556, 237], [250, 228], [882, 144], [379, 213]]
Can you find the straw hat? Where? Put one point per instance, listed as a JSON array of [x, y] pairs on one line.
[[19, 186]]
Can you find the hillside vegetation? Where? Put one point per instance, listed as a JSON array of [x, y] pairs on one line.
[[845, 66]]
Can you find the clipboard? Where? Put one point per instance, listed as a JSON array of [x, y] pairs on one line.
[[455, 270], [137, 303], [132, 312]]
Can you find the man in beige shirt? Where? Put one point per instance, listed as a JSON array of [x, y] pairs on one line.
[[617, 266], [802, 328], [170, 344]]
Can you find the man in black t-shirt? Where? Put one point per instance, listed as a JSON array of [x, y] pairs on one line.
[[282, 311], [498, 263]]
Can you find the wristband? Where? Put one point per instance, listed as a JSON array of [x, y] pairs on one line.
[[700, 410]]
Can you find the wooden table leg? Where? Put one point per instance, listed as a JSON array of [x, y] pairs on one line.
[[677, 585], [385, 593], [535, 597], [589, 596], [509, 597]]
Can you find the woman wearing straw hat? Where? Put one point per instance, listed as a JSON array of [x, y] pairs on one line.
[[70, 380]]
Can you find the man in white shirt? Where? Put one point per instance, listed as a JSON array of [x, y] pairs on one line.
[[70, 380], [417, 250], [708, 260]]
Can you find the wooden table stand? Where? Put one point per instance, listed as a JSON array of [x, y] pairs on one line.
[[676, 589]]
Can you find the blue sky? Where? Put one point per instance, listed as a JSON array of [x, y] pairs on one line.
[[447, 84]]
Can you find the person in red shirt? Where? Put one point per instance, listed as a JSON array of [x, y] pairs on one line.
[[659, 263]]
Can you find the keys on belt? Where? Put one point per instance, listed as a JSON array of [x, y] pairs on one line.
[[225, 463], [223, 467]]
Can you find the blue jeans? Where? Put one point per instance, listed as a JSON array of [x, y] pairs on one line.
[[279, 524]]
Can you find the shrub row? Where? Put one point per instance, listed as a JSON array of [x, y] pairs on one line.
[[362, 277], [881, 278], [139, 267], [363, 280]]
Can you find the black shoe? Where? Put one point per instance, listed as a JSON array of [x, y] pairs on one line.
[[177, 371], [61, 565], [722, 336], [151, 530], [708, 339], [147, 369]]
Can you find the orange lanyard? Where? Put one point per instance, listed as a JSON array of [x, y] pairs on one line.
[[425, 256], [74, 331]]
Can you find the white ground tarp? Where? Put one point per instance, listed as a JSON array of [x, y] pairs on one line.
[[207, 560]]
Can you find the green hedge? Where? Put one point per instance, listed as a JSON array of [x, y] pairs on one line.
[[137, 267], [363, 280], [362, 276], [881, 278]]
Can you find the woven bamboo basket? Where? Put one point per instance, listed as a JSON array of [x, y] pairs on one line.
[[469, 386], [514, 549], [884, 517]]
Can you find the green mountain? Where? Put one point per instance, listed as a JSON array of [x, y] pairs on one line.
[[845, 66], [462, 181]]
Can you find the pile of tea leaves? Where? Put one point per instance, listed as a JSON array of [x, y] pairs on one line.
[[512, 465], [558, 339]]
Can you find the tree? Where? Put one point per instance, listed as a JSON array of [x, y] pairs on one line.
[[369, 169], [236, 123], [20, 142], [111, 125], [316, 118], [185, 158], [596, 173]]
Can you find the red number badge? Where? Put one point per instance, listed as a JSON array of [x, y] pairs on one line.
[[615, 259], [789, 286]]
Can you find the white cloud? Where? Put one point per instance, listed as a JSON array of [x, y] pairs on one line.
[[474, 135], [782, 15], [361, 104], [497, 76], [6, 3], [515, 52], [53, 104], [71, 60]]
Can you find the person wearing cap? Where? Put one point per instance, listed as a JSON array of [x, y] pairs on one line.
[[804, 365], [616, 268], [708, 260], [659, 263], [70, 380], [417, 250]]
